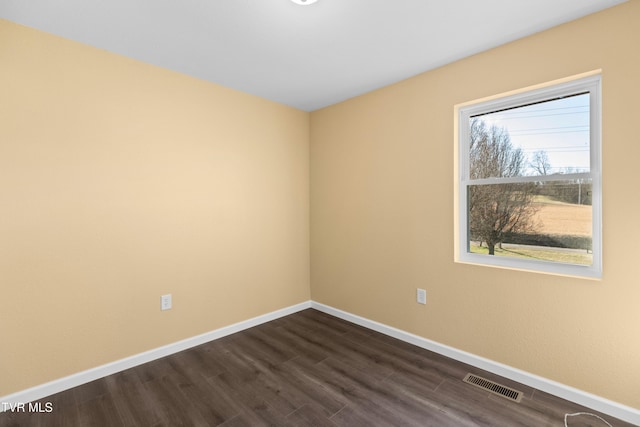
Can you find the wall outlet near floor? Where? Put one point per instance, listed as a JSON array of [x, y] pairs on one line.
[[165, 302], [421, 296]]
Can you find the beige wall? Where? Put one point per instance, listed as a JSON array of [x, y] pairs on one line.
[[119, 182], [382, 214]]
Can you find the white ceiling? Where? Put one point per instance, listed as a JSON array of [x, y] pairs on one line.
[[307, 57]]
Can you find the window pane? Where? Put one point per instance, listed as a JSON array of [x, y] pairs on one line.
[[548, 221], [545, 138]]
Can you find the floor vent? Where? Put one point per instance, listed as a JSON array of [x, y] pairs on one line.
[[493, 387]]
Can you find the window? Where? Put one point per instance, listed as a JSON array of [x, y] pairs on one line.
[[528, 180]]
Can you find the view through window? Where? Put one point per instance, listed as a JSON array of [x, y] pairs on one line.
[[527, 184]]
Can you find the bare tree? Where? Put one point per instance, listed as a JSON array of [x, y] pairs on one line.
[[540, 162], [497, 209]]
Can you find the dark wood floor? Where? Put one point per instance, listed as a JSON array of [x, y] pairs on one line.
[[306, 369]]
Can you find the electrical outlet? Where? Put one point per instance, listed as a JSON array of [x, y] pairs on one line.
[[165, 302], [421, 296]]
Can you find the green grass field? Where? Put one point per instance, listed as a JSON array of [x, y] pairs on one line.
[[544, 254]]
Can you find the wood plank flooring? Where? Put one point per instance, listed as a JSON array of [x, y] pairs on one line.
[[306, 369]]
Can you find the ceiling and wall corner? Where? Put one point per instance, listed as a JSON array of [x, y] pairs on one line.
[[307, 57]]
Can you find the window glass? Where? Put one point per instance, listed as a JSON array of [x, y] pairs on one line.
[[552, 137]]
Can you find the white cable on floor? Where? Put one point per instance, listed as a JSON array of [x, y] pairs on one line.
[[584, 413]]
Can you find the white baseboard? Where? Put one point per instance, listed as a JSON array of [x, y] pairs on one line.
[[62, 384], [617, 410]]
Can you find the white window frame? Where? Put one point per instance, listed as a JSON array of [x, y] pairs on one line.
[[590, 83]]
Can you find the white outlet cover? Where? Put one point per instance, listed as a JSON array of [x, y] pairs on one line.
[[421, 296], [165, 302]]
